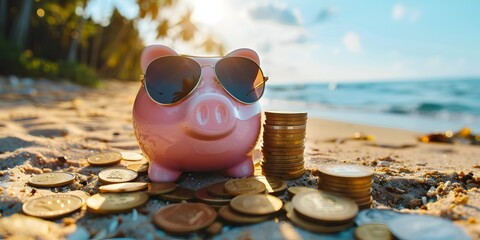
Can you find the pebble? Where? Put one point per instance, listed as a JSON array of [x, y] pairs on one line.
[[383, 164], [432, 192]]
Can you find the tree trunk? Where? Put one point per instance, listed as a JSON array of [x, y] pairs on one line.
[[72, 53], [3, 18], [97, 40], [20, 30]]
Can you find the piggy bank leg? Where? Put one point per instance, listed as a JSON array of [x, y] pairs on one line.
[[243, 169], [159, 173]]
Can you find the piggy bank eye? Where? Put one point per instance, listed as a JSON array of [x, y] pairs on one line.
[[170, 79], [242, 78]]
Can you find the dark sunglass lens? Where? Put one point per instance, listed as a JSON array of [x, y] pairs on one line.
[[241, 77], [170, 79]]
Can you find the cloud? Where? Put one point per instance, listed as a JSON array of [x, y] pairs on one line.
[[324, 14], [401, 12], [276, 13], [398, 12], [351, 40]]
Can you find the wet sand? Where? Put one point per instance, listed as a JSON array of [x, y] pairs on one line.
[[39, 127]]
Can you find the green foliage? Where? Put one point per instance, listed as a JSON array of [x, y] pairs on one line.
[[79, 73], [14, 62]]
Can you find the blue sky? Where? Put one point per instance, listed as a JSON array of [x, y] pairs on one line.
[[329, 41]]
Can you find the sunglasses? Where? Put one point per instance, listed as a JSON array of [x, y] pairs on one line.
[[171, 79]]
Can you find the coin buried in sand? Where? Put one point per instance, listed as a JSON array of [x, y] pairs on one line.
[[157, 188], [244, 186], [346, 171], [123, 187], [51, 179], [131, 156], [375, 216], [229, 215], [414, 226], [105, 159], [117, 175], [52, 206], [256, 204], [203, 196], [218, 190], [323, 206], [184, 218], [273, 185], [373, 231], [116, 202], [178, 195], [314, 227]]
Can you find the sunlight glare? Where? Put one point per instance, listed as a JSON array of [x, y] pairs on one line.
[[208, 12]]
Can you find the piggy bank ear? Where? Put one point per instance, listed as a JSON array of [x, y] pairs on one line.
[[245, 52], [152, 52]]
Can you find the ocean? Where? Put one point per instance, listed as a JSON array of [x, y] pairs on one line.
[[422, 106]]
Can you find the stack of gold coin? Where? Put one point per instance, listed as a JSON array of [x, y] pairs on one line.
[[353, 181], [283, 144], [320, 211]]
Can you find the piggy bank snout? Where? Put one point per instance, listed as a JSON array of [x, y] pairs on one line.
[[210, 116]]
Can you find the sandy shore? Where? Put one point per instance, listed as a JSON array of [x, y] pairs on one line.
[[38, 128]]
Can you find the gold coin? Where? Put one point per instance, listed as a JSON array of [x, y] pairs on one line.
[[363, 201], [282, 164], [117, 175], [116, 202], [285, 122], [335, 181], [184, 218], [346, 171], [282, 169], [282, 151], [203, 195], [315, 227], [104, 159], [256, 204], [244, 186], [296, 157], [218, 190], [229, 215], [275, 127], [138, 167], [157, 188], [269, 131], [52, 206], [51, 179], [284, 136], [323, 206], [131, 156], [373, 231], [283, 144], [123, 187], [179, 194], [299, 189], [284, 175], [278, 139], [273, 185], [353, 191], [269, 114]]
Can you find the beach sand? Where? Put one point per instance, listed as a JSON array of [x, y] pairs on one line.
[[38, 128]]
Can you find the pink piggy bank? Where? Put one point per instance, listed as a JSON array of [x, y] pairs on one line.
[[198, 114]]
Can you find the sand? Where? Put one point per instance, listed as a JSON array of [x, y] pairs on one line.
[[44, 123]]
